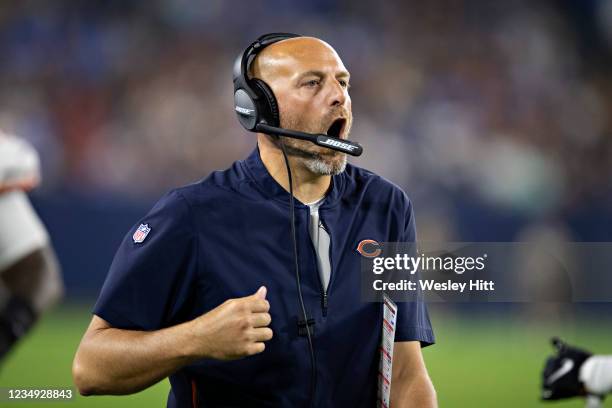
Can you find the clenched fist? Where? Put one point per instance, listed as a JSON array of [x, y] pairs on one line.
[[237, 328]]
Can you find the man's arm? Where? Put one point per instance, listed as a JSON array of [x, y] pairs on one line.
[[410, 383], [116, 361]]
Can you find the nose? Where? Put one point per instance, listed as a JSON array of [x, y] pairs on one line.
[[337, 94]]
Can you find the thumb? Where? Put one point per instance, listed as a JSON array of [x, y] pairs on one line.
[[261, 293]]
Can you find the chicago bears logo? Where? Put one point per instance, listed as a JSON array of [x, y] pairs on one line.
[[141, 233], [369, 248]]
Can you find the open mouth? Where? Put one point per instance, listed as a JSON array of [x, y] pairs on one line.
[[336, 128]]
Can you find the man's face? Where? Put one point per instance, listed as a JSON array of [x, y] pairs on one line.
[[311, 84]]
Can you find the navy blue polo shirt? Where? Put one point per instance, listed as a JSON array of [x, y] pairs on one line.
[[229, 234]]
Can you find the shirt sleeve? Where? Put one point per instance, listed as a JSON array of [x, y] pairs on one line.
[[151, 278], [412, 317]]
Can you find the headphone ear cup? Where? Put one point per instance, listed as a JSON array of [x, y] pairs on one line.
[[269, 110]]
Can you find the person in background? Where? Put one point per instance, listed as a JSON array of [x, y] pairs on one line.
[[30, 279], [575, 372]]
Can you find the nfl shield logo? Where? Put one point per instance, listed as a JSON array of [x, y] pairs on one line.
[[141, 233]]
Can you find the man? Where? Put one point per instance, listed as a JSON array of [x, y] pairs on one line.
[[30, 280], [202, 289]]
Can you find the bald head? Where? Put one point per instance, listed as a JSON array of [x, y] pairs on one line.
[[281, 58]]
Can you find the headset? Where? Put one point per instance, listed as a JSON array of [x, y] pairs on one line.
[[256, 106]]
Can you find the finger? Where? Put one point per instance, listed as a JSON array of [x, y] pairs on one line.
[[260, 319], [262, 292], [259, 305], [255, 348], [262, 334]]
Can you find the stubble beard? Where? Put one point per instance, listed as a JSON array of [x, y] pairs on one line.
[[318, 160]]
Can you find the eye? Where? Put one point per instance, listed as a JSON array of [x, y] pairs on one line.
[[344, 84], [312, 83]]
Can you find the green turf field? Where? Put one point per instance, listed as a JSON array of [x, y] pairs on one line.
[[478, 362]]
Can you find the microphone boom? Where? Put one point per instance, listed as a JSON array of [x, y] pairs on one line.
[[334, 143]]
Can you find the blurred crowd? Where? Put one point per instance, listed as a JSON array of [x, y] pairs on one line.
[[491, 115]]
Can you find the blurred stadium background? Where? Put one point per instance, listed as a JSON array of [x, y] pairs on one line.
[[495, 117]]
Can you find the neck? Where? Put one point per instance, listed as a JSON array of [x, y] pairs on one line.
[[307, 187]]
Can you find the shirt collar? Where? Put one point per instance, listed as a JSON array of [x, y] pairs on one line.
[[258, 172]]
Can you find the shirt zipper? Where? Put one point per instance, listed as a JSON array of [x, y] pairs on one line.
[[324, 291], [324, 295]]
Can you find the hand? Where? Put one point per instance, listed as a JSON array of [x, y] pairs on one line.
[[560, 375], [235, 329]]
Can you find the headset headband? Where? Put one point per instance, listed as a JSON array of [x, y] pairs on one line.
[[241, 69]]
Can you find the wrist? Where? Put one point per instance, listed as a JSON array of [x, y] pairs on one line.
[[194, 345]]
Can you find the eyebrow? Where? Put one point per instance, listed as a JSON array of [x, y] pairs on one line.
[[314, 72]]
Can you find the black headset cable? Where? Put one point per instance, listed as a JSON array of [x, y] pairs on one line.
[[313, 380]]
